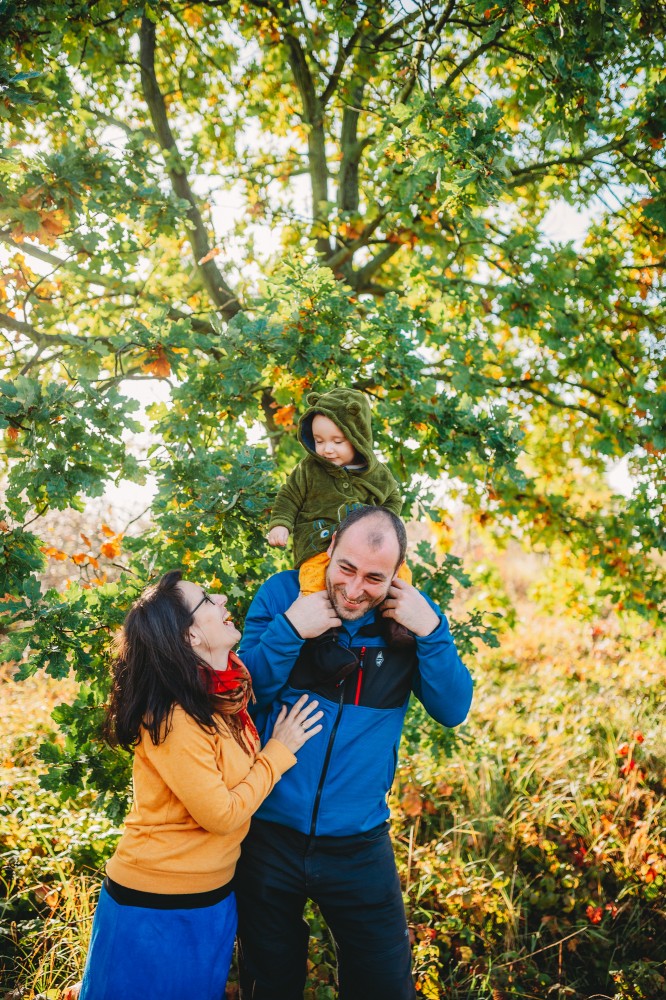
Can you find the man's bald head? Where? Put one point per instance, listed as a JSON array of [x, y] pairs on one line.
[[380, 525]]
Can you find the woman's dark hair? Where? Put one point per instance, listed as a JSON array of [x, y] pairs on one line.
[[155, 668]]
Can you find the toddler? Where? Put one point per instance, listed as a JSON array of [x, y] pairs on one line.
[[339, 472]]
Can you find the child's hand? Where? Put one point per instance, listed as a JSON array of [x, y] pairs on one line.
[[278, 536]]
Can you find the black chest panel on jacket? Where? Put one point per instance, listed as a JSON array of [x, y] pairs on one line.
[[383, 678]]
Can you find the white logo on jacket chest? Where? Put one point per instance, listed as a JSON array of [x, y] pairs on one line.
[[380, 658]]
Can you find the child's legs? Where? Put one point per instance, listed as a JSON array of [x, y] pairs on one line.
[[312, 573]]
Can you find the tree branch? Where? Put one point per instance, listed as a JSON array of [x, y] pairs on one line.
[[519, 175], [391, 29], [472, 57], [115, 285], [604, 396], [222, 296], [343, 54], [116, 122], [92, 277], [345, 253], [313, 117], [379, 291], [360, 279], [348, 198], [417, 57], [530, 385], [42, 340]]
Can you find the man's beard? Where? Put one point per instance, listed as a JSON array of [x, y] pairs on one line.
[[366, 604]]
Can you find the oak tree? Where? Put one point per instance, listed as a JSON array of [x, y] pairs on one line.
[[402, 157]]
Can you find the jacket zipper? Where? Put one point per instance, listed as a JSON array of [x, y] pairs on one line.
[[359, 681], [327, 760]]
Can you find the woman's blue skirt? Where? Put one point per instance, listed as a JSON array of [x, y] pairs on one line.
[[137, 953]]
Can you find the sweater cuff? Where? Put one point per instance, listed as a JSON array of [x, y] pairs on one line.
[[281, 522], [279, 755], [440, 633], [292, 627]]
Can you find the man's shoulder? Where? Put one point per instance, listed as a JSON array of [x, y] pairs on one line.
[[285, 578], [279, 587]]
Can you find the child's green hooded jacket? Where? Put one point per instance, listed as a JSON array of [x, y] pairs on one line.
[[318, 495]]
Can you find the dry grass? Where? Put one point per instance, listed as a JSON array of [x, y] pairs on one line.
[[48, 902]]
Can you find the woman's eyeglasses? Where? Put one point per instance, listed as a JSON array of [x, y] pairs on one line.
[[206, 599]]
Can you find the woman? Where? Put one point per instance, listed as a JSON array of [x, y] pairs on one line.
[[166, 918]]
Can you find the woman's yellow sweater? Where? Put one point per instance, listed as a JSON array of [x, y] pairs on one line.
[[194, 795]]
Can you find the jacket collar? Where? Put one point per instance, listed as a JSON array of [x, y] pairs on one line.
[[370, 625]]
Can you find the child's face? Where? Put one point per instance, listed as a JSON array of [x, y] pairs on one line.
[[330, 442]]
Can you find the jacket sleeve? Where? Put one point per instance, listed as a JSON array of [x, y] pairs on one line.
[[442, 683], [187, 764], [393, 501], [289, 500], [270, 644], [393, 498]]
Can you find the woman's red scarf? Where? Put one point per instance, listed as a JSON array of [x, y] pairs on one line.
[[230, 691]]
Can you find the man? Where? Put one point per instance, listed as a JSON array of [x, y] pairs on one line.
[[323, 831]]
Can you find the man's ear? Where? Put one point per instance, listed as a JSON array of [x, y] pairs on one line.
[[398, 567], [329, 550]]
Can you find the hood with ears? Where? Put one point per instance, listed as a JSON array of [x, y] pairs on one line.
[[350, 411]]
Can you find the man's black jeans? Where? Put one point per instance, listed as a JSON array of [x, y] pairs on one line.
[[354, 882]]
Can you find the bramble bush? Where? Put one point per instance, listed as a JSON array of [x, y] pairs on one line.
[[534, 853]]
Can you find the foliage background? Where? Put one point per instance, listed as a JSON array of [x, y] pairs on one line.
[[402, 157]]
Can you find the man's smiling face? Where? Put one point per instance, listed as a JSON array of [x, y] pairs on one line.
[[363, 564]]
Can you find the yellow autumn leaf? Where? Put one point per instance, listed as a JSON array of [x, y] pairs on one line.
[[53, 553], [111, 549], [284, 416], [210, 255], [158, 363]]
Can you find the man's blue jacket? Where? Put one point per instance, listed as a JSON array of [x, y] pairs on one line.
[[339, 785]]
